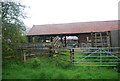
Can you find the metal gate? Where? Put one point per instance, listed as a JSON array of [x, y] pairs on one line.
[[92, 56]]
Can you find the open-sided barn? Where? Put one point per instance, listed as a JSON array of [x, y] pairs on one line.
[[90, 34]]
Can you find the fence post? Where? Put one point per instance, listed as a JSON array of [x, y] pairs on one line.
[[21, 54], [24, 55], [72, 55], [118, 66]]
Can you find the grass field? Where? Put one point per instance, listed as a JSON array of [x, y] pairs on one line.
[[50, 68]]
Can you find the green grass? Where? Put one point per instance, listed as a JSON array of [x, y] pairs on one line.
[[65, 52], [49, 68], [96, 60]]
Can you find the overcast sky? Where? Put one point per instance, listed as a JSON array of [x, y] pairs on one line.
[[69, 11]]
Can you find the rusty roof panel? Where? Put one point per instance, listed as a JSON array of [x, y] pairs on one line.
[[70, 28]]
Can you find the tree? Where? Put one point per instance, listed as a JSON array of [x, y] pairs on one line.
[[12, 27]]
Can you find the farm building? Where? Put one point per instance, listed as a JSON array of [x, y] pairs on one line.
[[89, 34]]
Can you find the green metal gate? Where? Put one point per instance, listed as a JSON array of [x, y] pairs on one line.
[[92, 56]]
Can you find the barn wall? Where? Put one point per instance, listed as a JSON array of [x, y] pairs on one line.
[[115, 38]]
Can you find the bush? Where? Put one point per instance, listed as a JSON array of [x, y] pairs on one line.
[[34, 63]]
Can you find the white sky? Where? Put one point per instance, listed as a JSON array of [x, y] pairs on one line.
[[69, 11]]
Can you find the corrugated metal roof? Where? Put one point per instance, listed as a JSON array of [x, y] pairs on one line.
[[70, 28]]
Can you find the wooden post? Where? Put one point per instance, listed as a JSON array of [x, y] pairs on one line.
[[78, 40], [72, 55], [101, 38], [51, 51], [21, 54], [24, 56], [65, 41], [108, 39], [92, 41], [118, 66], [51, 39], [61, 39]]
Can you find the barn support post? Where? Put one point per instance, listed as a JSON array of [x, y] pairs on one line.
[[65, 41], [92, 41], [51, 39], [108, 38], [61, 39], [78, 40]]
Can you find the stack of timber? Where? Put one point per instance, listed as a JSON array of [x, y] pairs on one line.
[[101, 39], [56, 43]]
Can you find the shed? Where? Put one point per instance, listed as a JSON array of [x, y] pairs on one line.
[[96, 33]]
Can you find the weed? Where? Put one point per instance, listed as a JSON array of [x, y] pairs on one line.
[[49, 68]]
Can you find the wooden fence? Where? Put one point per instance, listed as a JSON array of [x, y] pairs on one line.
[[34, 50]]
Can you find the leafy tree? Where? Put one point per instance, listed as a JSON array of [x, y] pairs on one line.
[[12, 27]]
